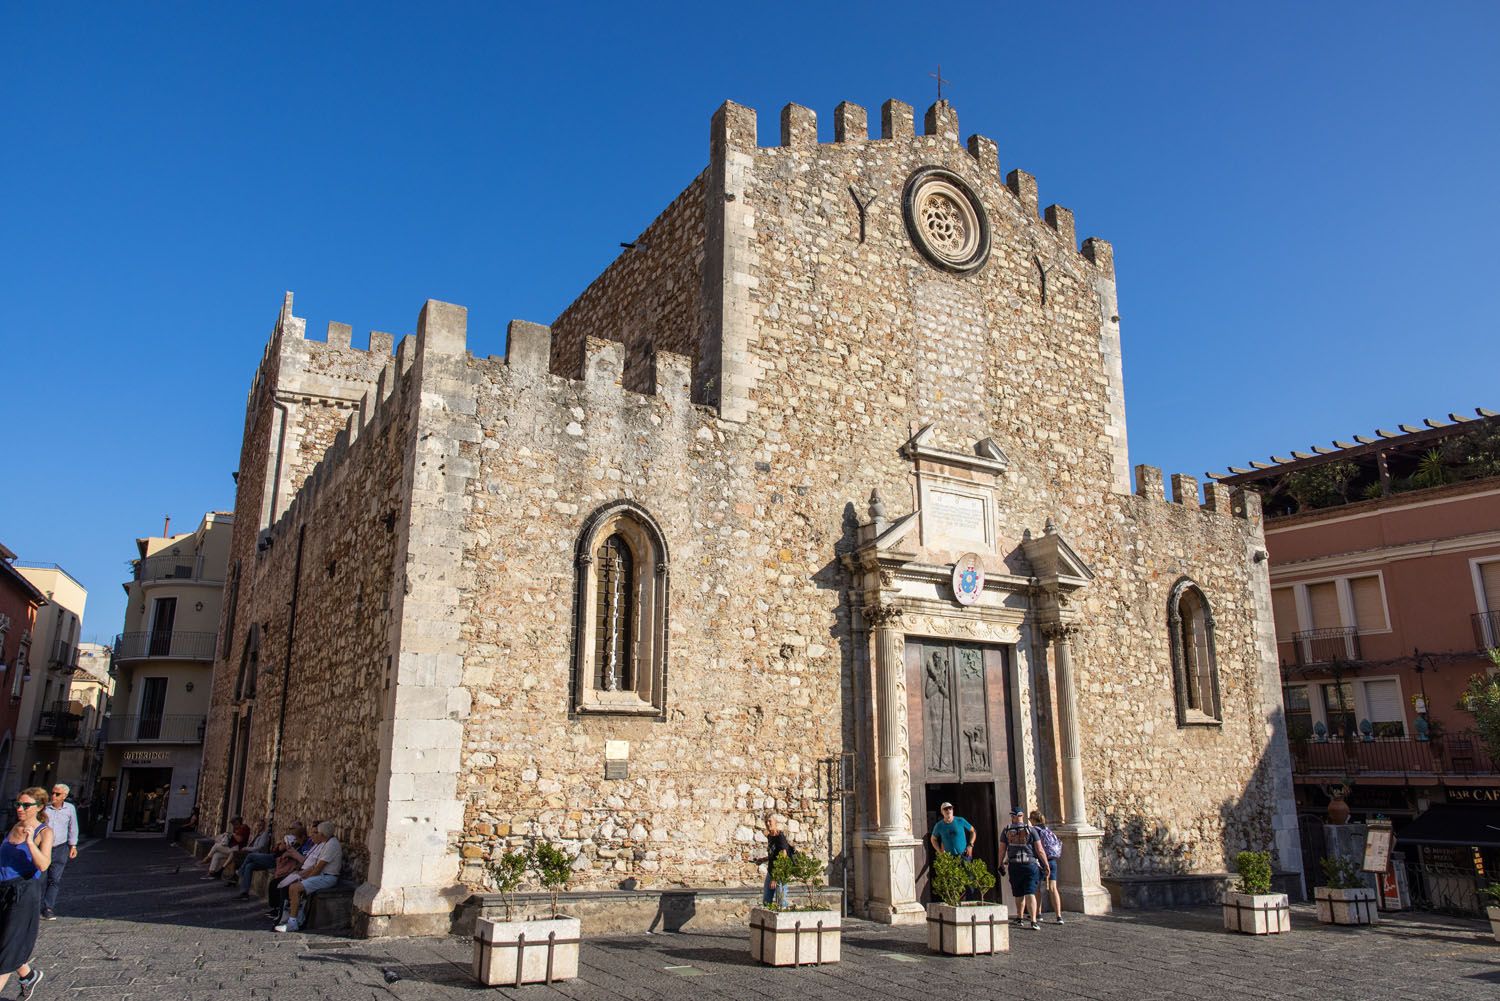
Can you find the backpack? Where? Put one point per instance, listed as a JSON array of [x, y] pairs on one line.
[[1018, 845], [1051, 842]]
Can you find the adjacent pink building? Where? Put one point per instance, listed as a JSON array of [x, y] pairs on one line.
[[1385, 574]]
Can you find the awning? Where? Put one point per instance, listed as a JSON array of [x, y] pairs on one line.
[[1447, 824]]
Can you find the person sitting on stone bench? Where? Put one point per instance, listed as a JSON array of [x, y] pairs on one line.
[[260, 842], [320, 870], [286, 859], [226, 845]]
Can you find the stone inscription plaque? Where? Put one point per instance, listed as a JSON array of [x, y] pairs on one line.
[[617, 769], [953, 517]]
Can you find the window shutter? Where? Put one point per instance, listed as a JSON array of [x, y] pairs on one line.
[[1489, 575], [1383, 699], [1284, 608], [1324, 600], [1369, 610]]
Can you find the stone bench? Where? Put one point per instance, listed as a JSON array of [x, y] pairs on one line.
[[327, 910]]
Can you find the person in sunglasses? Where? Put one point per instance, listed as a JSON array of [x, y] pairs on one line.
[[25, 855]]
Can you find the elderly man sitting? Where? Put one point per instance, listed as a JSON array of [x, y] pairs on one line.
[[226, 845], [320, 870]]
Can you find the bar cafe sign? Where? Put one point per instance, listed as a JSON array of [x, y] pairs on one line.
[[1474, 794], [134, 757]]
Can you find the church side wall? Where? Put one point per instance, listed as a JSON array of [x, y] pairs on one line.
[[648, 299]]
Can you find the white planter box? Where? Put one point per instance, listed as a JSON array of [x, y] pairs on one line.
[[1346, 907], [968, 929], [511, 953], [1494, 913], [794, 938], [1257, 913]]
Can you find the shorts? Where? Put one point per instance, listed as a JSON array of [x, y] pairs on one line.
[[1025, 878], [313, 884], [1052, 870]]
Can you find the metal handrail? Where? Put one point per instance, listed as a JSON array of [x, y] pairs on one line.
[[1461, 752], [1326, 646], [166, 566], [1486, 629], [175, 645], [173, 728]]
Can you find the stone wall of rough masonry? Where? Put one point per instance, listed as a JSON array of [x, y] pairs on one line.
[[337, 477], [648, 299]]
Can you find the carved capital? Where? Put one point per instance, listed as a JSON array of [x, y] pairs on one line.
[[887, 577], [878, 615], [1060, 631]]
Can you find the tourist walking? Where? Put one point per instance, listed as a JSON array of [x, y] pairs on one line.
[[1026, 863], [953, 835], [1052, 845], [776, 845], [63, 819], [25, 854]]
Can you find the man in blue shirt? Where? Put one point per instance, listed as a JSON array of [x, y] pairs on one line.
[[63, 820], [953, 835]]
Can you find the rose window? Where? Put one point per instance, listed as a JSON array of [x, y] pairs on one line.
[[946, 221]]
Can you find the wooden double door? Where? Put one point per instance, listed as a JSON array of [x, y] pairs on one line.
[[959, 720]]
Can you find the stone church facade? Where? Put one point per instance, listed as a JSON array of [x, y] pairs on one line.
[[815, 502]]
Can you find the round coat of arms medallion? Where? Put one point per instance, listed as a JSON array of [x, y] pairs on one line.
[[968, 579], [946, 221]]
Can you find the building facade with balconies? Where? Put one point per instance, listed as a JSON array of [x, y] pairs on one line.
[[34, 758], [1385, 574], [162, 667], [20, 601]]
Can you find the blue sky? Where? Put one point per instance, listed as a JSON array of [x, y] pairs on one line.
[[1300, 197]]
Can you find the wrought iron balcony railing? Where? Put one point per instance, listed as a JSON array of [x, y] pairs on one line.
[[1339, 644], [1458, 753], [164, 729], [169, 567], [1486, 629], [59, 721], [174, 645]]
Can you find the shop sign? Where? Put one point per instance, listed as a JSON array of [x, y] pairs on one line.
[[137, 756], [1473, 794]]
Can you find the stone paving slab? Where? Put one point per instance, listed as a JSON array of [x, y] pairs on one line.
[[136, 922]]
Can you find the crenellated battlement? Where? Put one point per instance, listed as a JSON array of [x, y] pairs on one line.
[[1218, 498], [735, 127]]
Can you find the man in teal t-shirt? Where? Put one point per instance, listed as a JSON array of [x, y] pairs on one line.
[[953, 835]]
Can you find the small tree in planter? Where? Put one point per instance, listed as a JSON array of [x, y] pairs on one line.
[[1251, 907], [510, 953], [1344, 899], [796, 936], [956, 928], [1491, 895]]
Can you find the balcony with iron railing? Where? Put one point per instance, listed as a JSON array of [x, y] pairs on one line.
[[1486, 629], [171, 567], [163, 729], [1317, 647], [175, 645], [1461, 753], [60, 722]]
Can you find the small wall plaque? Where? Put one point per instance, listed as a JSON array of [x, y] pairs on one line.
[[617, 769]]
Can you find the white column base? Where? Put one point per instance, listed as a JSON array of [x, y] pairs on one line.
[[892, 865], [1078, 876]]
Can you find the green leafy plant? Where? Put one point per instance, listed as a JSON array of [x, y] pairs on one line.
[[1432, 471], [1482, 698], [981, 879], [1254, 870], [1321, 486], [553, 868], [506, 872], [1342, 874], [1491, 894], [949, 878], [790, 870]]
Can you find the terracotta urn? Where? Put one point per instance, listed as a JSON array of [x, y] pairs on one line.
[[1338, 811]]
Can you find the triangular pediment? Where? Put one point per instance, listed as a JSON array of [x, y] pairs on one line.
[[1054, 562], [987, 456]]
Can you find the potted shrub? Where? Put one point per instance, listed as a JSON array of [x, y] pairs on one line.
[[959, 928], [1491, 895], [1344, 899], [1251, 907], [513, 952], [797, 935]]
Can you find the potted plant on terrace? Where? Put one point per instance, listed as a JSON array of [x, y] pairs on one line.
[[1344, 899], [959, 928], [513, 952], [1491, 895], [1251, 907], [804, 935]]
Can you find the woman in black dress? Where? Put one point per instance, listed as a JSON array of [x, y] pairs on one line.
[[25, 854]]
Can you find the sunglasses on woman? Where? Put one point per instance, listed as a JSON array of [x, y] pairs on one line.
[[25, 803]]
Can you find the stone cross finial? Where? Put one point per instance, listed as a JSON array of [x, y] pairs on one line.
[[1050, 529], [938, 76], [877, 506]]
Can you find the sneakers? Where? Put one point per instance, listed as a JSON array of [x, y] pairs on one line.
[[289, 925], [47, 915], [1036, 926], [28, 984], [1059, 919]]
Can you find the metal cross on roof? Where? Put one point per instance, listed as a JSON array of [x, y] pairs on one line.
[[938, 76]]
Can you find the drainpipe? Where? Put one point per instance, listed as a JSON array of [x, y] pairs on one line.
[[286, 680]]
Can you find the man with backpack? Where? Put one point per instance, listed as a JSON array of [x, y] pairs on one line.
[[1026, 864], [1053, 846]]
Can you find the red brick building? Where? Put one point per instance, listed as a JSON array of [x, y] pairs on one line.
[[19, 601], [1385, 574]]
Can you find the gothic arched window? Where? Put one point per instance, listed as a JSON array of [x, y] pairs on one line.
[[1195, 671], [621, 641]]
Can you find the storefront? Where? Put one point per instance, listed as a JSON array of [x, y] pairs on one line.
[[152, 787]]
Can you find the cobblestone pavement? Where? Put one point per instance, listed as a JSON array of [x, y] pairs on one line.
[[136, 922]]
